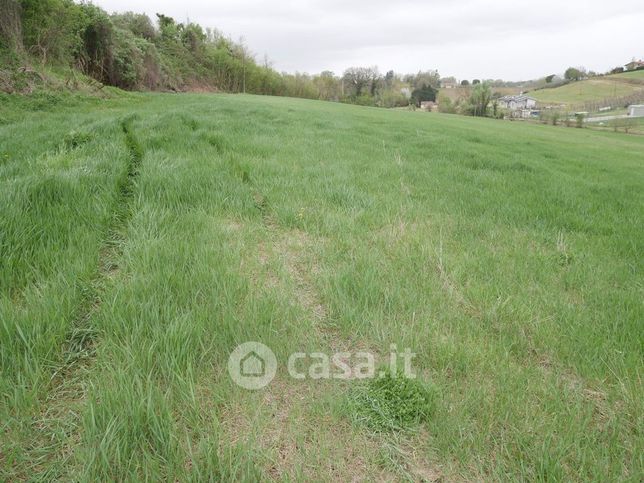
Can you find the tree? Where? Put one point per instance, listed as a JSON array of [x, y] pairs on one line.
[[356, 78], [496, 112], [193, 37], [327, 85], [52, 28], [360, 78], [11, 25], [446, 105], [629, 123], [425, 93], [389, 79], [375, 80], [572, 74], [626, 123], [429, 78], [391, 98], [137, 23], [126, 70], [550, 78], [480, 99], [465, 82], [97, 56], [575, 73], [476, 81], [579, 118], [168, 27]]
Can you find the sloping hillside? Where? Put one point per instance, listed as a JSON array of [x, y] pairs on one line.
[[636, 76], [143, 239], [594, 90]]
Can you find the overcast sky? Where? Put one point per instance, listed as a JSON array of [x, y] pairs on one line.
[[508, 39]]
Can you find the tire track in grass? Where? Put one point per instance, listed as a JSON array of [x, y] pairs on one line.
[[285, 401], [80, 341], [290, 245], [59, 418], [296, 436], [357, 446]]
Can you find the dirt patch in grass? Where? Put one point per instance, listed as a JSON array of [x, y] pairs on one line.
[[292, 248], [267, 278], [298, 442]]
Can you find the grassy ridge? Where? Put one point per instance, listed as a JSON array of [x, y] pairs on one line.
[[636, 75], [506, 255], [596, 89]]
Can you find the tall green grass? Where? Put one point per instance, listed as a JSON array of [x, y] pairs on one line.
[[507, 256]]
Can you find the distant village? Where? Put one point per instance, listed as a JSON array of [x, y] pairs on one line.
[[524, 106]]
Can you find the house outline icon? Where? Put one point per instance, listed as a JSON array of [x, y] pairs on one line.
[[252, 365]]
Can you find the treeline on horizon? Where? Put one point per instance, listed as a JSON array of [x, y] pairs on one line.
[[131, 52]]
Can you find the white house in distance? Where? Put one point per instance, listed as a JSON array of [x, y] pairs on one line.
[[634, 65], [515, 103], [449, 83], [636, 110]]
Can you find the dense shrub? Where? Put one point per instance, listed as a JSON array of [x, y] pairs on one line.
[[127, 67], [52, 29], [129, 51]]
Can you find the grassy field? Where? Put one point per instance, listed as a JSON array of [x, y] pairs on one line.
[[633, 76], [596, 89], [143, 238]]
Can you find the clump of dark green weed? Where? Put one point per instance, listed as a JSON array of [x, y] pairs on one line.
[[218, 142], [74, 139], [190, 122], [391, 403]]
